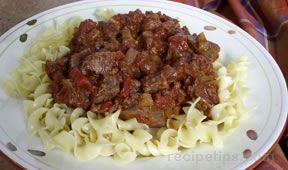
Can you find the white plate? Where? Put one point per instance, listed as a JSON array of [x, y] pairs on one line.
[[267, 91]]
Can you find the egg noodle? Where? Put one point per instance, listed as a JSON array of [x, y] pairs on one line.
[[88, 135]]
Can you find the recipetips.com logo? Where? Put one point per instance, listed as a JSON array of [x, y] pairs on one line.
[[215, 156]]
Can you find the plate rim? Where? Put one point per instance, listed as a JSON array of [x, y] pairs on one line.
[[278, 74]]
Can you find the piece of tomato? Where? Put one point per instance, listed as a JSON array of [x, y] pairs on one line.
[[126, 88], [80, 80], [104, 107]]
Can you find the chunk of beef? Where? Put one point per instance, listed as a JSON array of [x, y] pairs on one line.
[[131, 56], [201, 64], [204, 47], [109, 29], [84, 27], [158, 81], [144, 63], [150, 23], [127, 40], [84, 36], [208, 49], [158, 47], [154, 43], [56, 70], [112, 45], [130, 101], [170, 100], [182, 68], [172, 27], [76, 58], [179, 70], [160, 32], [110, 87], [101, 63], [121, 19], [129, 70], [148, 39], [152, 116], [171, 97], [206, 88], [178, 47], [127, 65], [134, 20], [104, 107], [65, 92]]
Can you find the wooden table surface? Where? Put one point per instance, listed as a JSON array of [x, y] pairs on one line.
[[13, 12]]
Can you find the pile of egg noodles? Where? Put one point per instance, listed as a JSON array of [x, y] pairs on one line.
[[88, 135]]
